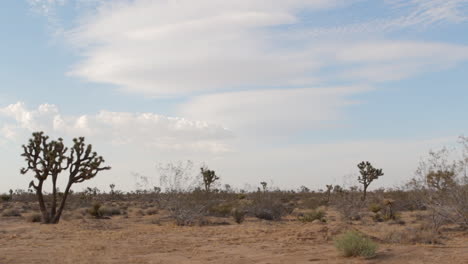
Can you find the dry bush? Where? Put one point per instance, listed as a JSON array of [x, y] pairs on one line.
[[238, 215], [187, 208], [412, 235], [349, 204], [151, 211], [221, 210], [34, 218], [11, 212], [109, 211], [268, 206]]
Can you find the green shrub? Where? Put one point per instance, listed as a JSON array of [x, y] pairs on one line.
[[353, 244], [94, 211], [375, 208], [312, 216]]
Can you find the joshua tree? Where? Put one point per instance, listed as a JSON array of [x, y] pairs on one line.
[[368, 174], [209, 177], [264, 185], [49, 158]]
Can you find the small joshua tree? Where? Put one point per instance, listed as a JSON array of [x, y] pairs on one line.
[[49, 159], [112, 187], [264, 186], [209, 177], [368, 174], [329, 190]]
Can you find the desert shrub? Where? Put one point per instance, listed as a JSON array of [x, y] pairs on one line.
[[354, 244], [34, 218], [188, 208], [11, 212], [349, 205], [267, 206], [94, 210], [222, 210], [412, 236], [312, 216], [375, 208], [241, 196], [313, 203], [238, 215], [139, 212], [5, 198], [109, 211], [152, 211]]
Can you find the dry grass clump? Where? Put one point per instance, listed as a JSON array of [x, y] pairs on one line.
[[312, 216], [11, 212], [354, 244], [151, 211], [412, 235], [34, 218], [109, 211]]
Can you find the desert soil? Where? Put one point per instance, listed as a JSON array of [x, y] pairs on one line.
[[143, 239]]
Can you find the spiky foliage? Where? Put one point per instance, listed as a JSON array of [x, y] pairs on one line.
[[49, 159], [209, 177], [368, 175]]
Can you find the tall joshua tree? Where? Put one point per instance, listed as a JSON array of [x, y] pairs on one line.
[[209, 177], [368, 174], [48, 159]]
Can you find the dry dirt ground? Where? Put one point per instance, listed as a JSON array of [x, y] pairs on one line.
[[144, 239]]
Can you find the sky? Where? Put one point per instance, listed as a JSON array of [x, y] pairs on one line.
[[291, 92]]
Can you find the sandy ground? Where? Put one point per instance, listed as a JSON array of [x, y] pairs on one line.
[[139, 240]]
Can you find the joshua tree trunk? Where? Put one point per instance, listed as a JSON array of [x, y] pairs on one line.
[[364, 192], [62, 204], [42, 206], [53, 209]]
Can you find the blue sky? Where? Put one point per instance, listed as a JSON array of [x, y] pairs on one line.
[[294, 92]]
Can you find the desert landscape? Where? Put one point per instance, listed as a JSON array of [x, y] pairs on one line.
[[143, 228], [233, 131]]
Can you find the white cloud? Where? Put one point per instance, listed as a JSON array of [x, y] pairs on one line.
[[148, 129], [272, 112]]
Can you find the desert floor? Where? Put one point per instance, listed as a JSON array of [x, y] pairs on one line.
[[146, 239]]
